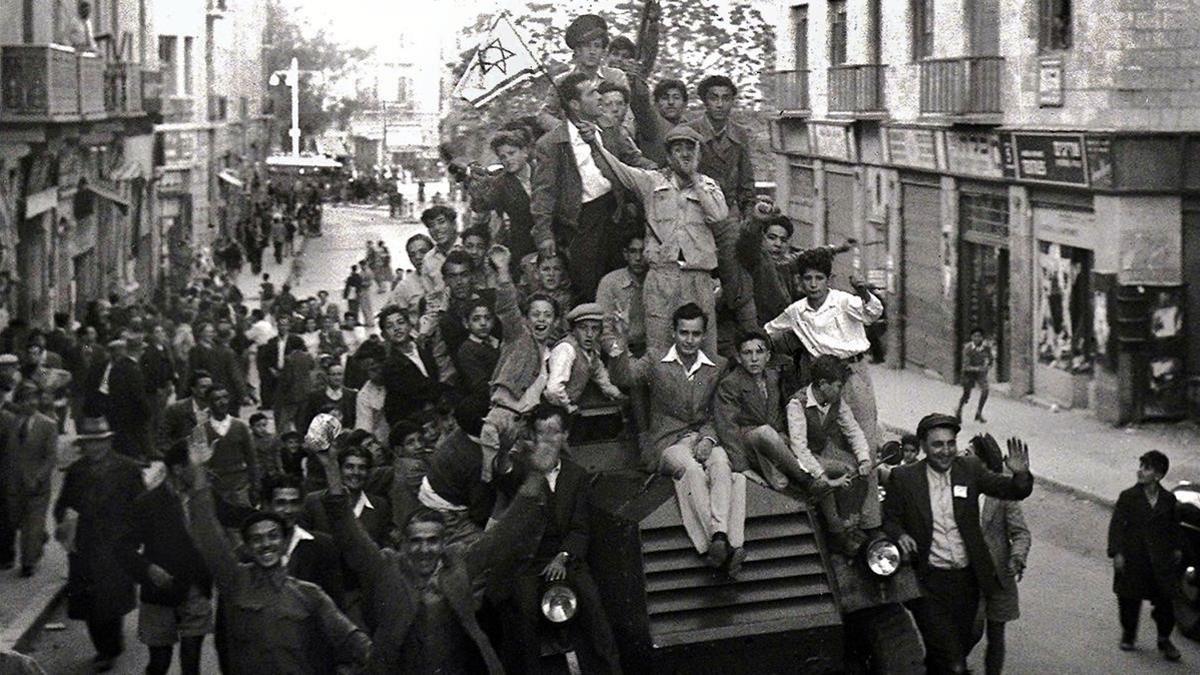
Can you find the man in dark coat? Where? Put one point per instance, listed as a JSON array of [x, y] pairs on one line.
[[183, 415], [561, 553], [119, 393], [176, 588], [508, 194], [932, 510], [272, 356], [92, 511], [410, 372], [27, 458], [1145, 542], [309, 555]]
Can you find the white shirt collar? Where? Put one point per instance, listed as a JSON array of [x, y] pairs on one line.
[[811, 401], [552, 477], [362, 504], [299, 534], [701, 360], [222, 426]]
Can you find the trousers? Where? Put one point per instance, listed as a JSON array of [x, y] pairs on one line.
[[945, 615], [593, 638], [27, 515], [593, 247], [667, 287], [711, 497], [1130, 610]]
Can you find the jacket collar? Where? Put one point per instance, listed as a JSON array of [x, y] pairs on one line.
[[705, 127]]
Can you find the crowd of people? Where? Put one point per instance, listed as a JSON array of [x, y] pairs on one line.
[[395, 491]]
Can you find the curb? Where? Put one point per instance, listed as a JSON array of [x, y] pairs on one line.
[[1052, 484], [24, 627]]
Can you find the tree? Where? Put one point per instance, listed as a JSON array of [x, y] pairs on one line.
[[699, 37], [316, 52]]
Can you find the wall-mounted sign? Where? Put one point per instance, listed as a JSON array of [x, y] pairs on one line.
[[911, 147], [1066, 226], [973, 154], [1050, 158], [832, 140], [1050, 85]]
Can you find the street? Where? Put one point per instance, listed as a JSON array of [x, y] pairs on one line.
[[1068, 622]]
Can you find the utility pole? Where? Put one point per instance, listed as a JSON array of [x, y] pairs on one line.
[[291, 77]]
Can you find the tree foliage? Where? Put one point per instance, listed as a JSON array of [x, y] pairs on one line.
[[699, 38], [316, 52]]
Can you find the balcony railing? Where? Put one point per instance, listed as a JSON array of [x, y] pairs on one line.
[[40, 82], [856, 88], [967, 85], [791, 90], [123, 89]]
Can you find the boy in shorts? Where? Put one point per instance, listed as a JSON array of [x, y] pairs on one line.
[[976, 361]]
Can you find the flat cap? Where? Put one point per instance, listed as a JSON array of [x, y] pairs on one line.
[[682, 132], [937, 421], [586, 311], [9, 360], [585, 28]]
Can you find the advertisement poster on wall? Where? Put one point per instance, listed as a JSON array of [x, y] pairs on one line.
[[1065, 340]]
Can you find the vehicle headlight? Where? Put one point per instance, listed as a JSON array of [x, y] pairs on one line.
[[883, 557], [559, 603]]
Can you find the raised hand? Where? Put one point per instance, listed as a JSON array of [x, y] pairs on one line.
[[200, 451], [499, 256], [1018, 456]]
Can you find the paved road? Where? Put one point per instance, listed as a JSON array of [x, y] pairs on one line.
[[1068, 622]]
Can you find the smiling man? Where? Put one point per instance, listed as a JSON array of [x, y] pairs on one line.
[[682, 442], [276, 623], [932, 511]]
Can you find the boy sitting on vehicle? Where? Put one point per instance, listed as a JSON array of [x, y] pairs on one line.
[[829, 443], [575, 360]]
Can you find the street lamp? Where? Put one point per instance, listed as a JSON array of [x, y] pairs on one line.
[[291, 77]]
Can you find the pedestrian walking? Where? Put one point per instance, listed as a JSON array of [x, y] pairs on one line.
[[977, 359], [92, 510], [28, 460], [1145, 542]]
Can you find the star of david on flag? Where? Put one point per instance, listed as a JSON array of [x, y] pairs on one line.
[[501, 61]]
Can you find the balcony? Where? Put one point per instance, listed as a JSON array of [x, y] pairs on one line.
[[50, 83], [123, 89], [152, 94], [791, 92], [967, 86], [856, 88]]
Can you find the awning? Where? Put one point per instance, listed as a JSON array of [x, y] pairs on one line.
[[230, 177], [126, 170]]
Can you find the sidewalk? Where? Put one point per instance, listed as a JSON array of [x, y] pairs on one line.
[[1070, 449]]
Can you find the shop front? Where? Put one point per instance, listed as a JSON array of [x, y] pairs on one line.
[[983, 268], [1064, 340]]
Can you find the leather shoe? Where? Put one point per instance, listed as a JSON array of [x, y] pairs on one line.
[[718, 553], [736, 557], [1168, 650]]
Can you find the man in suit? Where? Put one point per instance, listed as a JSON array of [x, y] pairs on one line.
[[30, 454], [508, 193], [158, 365], [575, 195], [271, 357], [932, 510], [120, 395], [176, 587], [183, 415], [410, 374], [216, 357], [749, 414], [309, 554], [683, 440], [1145, 542], [370, 510], [561, 552]]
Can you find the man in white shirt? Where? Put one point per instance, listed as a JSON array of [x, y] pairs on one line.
[[442, 222], [831, 322]]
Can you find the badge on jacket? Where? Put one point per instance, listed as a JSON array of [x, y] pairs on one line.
[[960, 491]]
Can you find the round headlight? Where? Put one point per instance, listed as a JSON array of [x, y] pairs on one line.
[[559, 603], [883, 558]]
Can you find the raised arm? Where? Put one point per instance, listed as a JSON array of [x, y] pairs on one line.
[[358, 549], [639, 180], [206, 532], [1017, 486], [864, 305], [514, 537]]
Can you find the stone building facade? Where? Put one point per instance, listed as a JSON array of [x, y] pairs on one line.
[[1027, 167]]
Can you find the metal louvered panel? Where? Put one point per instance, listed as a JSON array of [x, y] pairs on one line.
[[783, 585]]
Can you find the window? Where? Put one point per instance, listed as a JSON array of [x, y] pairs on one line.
[[922, 29], [168, 64], [837, 32], [800, 28], [1054, 24], [187, 66]]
